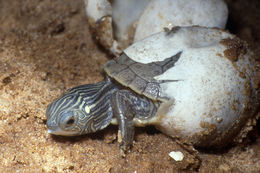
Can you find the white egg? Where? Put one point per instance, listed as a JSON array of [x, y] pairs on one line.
[[118, 23], [215, 99], [169, 13]]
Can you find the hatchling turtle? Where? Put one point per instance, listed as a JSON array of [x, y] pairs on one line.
[[195, 83], [134, 103]]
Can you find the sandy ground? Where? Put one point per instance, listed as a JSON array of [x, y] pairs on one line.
[[46, 48]]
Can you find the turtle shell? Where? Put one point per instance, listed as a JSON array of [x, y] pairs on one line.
[[139, 76]]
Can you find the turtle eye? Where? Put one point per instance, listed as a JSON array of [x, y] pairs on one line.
[[70, 121]]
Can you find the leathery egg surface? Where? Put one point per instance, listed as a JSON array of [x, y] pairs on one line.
[[116, 24], [213, 94]]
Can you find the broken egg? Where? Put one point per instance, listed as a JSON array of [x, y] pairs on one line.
[[214, 93]]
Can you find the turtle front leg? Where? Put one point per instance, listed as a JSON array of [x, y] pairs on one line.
[[127, 106], [121, 105]]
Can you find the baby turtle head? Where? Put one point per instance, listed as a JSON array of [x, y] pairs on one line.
[[65, 122], [83, 109]]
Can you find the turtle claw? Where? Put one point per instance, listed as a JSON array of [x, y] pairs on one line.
[[124, 147], [122, 152]]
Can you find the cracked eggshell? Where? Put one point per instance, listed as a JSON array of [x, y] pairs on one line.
[[99, 14], [112, 22], [117, 23], [215, 97]]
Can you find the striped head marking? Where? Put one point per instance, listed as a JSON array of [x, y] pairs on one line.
[[83, 109]]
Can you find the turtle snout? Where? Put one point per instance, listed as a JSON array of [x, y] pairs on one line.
[[48, 111], [51, 125], [51, 120]]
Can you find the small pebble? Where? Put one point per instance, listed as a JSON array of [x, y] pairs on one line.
[[176, 155]]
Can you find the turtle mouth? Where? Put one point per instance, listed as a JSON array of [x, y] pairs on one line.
[[58, 131]]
